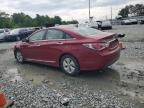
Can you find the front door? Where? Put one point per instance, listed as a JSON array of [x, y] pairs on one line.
[[32, 49]]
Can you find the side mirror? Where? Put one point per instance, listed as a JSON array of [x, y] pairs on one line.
[[120, 35], [25, 40]]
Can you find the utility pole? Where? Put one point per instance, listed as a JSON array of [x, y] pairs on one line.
[[89, 10], [111, 14]]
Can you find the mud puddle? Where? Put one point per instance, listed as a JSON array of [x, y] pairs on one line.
[[39, 74], [13, 75]]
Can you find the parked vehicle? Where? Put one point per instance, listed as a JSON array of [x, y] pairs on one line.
[[106, 25], [100, 25], [93, 24], [141, 21], [3, 34], [126, 22], [133, 21], [72, 49], [18, 34]]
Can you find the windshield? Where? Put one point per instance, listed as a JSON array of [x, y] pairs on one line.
[[86, 31]]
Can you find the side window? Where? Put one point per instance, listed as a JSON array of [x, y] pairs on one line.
[[54, 34], [67, 36], [37, 36]]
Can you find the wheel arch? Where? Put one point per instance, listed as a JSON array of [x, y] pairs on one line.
[[16, 49], [67, 54]]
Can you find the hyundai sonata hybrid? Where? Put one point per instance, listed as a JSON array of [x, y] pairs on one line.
[[70, 48]]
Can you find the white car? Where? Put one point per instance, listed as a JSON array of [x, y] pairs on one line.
[[126, 22], [3, 33], [133, 21]]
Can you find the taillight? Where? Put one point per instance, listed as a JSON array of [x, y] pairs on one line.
[[97, 46]]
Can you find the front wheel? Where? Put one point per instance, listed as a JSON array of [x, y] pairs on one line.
[[70, 65], [19, 57]]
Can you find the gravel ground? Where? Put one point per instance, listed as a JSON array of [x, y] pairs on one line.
[[28, 96], [39, 86], [68, 95], [133, 32], [133, 50]]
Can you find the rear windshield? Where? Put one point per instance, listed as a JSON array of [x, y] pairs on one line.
[[86, 31]]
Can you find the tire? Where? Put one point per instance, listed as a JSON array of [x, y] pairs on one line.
[[19, 57], [69, 65]]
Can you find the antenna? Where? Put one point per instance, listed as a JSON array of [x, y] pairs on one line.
[[111, 13]]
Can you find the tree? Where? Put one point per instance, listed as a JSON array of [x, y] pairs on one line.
[[23, 20], [5, 21], [139, 9], [57, 20], [124, 12], [133, 10], [41, 20]]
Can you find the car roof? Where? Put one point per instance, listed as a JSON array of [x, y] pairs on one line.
[[66, 28]]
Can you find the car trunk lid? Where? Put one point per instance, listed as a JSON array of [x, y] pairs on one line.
[[109, 38]]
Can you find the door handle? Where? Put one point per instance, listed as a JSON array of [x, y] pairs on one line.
[[59, 43], [37, 45]]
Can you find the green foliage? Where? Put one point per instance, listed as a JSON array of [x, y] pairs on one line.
[[134, 10], [5, 21], [23, 20]]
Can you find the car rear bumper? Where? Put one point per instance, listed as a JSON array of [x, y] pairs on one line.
[[106, 27], [95, 61]]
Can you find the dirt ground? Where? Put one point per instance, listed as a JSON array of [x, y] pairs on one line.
[[119, 86]]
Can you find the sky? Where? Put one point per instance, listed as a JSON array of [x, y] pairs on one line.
[[67, 9]]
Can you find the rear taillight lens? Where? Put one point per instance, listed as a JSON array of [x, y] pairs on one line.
[[97, 46]]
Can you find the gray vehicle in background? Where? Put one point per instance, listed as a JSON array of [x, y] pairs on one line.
[[129, 22], [104, 24], [133, 21], [126, 22], [18, 34], [3, 34]]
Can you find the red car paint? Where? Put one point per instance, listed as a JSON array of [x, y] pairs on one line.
[[89, 57]]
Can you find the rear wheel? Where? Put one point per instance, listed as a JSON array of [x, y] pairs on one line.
[[19, 57], [70, 65]]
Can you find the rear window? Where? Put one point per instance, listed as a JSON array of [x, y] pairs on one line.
[[86, 31]]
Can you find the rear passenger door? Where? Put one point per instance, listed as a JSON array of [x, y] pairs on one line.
[[55, 43]]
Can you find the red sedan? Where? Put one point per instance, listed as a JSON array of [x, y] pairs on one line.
[[72, 49]]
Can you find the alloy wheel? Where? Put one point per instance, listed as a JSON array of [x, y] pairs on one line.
[[19, 57], [69, 65]]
